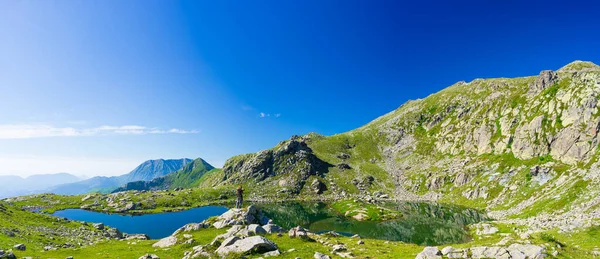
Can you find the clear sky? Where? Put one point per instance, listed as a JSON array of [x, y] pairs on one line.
[[97, 87]]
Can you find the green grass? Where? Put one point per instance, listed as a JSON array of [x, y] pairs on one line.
[[554, 204]]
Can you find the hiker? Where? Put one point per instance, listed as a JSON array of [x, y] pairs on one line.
[[240, 197]]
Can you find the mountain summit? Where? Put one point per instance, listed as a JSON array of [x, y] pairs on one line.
[[189, 176], [146, 171]]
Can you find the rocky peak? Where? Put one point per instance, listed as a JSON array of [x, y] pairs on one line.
[[292, 159], [578, 65]]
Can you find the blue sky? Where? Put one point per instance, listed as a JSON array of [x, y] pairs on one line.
[[97, 87]]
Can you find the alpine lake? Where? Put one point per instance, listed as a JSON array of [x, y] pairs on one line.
[[420, 222]]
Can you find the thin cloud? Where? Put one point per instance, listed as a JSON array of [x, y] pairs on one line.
[[16, 131], [265, 115]]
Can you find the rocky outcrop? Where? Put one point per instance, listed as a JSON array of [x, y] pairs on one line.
[[251, 215], [317, 186], [291, 159], [545, 79]]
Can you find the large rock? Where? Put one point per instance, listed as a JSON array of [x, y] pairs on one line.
[[545, 79], [530, 251], [149, 256], [430, 252], [255, 229], [99, 226], [272, 228], [7, 255], [166, 242], [298, 232], [317, 186], [236, 245], [321, 256], [113, 233]]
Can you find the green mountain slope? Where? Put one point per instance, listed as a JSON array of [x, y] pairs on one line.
[[514, 146], [189, 176]]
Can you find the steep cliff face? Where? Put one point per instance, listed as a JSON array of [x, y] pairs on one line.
[[514, 146]]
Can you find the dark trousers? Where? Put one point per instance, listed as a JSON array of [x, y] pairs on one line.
[[238, 203]]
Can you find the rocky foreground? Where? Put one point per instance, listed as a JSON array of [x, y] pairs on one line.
[[246, 230]]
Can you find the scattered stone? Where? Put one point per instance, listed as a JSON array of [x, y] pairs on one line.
[[272, 253], [360, 242], [20, 247], [321, 256], [149, 256]]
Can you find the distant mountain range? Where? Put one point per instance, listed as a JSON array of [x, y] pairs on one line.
[[189, 176], [146, 171], [15, 185]]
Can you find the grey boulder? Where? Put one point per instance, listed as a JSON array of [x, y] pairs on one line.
[[321, 256], [255, 243], [430, 252]]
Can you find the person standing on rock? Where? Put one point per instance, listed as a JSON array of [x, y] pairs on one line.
[[240, 197]]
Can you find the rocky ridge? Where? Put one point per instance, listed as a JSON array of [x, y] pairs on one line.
[[516, 147]]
